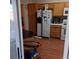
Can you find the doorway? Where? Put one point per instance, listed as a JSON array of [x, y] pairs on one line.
[[39, 47]]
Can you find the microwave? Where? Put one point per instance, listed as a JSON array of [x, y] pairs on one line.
[[66, 11]]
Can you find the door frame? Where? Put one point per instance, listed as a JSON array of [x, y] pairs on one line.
[[17, 29], [66, 44], [20, 28]]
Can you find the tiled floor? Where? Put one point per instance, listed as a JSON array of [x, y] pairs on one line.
[[50, 49]]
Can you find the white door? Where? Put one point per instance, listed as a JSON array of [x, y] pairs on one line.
[[16, 45]]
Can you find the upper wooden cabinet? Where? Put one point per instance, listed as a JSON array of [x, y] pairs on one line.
[[58, 9], [50, 5], [66, 5], [41, 6]]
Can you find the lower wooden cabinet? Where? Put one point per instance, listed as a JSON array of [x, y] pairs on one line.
[[55, 31]]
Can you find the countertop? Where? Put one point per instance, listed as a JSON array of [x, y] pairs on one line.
[[56, 24]]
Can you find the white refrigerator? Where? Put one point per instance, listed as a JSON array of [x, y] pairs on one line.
[[46, 21]]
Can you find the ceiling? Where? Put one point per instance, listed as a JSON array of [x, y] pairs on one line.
[[42, 1]]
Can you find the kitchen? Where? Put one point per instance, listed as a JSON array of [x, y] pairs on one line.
[[57, 13]]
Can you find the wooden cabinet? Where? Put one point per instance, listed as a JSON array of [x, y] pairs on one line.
[[32, 17], [66, 5], [55, 31], [51, 7], [58, 9], [41, 6]]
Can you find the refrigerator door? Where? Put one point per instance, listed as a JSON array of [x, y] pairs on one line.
[[47, 16], [44, 24], [39, 32]]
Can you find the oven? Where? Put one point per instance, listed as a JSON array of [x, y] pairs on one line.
[[64, 25]]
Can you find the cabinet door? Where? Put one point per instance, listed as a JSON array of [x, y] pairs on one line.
[[51, 7], [32, 17], [58, 9], [55, 31], [66, 5], [41, 6]]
